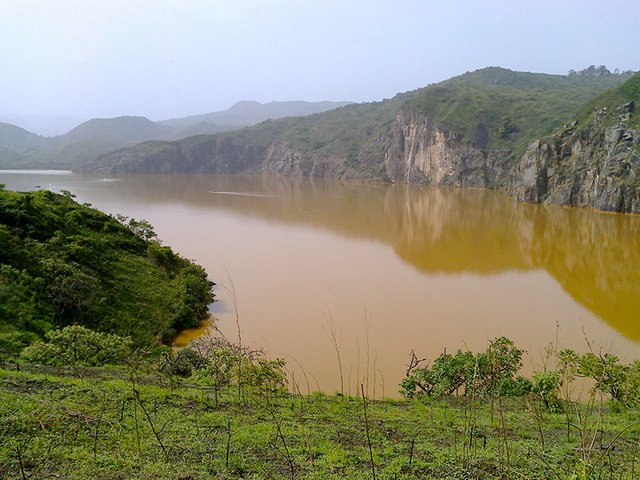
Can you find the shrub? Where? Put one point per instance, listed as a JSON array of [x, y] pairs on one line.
[[76, 345], [491, 372], [546, 385]]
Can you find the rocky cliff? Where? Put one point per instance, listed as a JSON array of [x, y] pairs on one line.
[[591, 166], [595, 166], [417, 150], [470, 131]]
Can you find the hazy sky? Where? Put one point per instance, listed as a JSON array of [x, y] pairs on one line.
[[166, 58]]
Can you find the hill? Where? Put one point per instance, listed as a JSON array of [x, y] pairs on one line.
[[62, 263], [128, 129], [245, 113], [22, 149], [79, 145], [11, 157], [466, 131], [19, 140]]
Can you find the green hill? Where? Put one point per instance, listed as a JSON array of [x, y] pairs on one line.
[[489, 110], [21, 149], [10, 157], [612, 103], [500, 109], [62, 263], [80, 145]]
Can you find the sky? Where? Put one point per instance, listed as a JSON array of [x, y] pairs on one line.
[[171, 58]]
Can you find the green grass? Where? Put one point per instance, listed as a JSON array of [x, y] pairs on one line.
[[95, 427]]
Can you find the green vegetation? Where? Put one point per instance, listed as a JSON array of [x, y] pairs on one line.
[[62, 263], [613, 106], [487, 373], [494, 373], [492, 109], [216, 410], [22, 149], [500, 109]]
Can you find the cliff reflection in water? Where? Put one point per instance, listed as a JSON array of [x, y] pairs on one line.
[[595, 257]]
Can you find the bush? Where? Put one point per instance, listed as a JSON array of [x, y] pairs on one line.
[[13, 342], [76, 345], [491, 372], [546, 385]]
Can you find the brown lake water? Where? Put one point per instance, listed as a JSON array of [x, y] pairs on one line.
[[397, 267]]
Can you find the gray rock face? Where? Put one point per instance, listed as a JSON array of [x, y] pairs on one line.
[[418, 151], [281, 159], [593, 167]]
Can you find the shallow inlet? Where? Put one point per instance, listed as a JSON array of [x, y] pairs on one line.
[[394, 268]]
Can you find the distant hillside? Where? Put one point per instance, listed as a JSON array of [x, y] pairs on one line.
[[247, 113], [44, 125], [80, 145], [127, 129], [21, 149], [201, 128], [467, 131], [19, 140], [11, 157], [62, 263]]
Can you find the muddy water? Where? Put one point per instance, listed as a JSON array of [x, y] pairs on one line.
[[387, 268]]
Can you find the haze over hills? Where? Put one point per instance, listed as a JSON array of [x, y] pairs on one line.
[[246, 113], [22, 149], [19, 140], [468, 131], [44, 125]]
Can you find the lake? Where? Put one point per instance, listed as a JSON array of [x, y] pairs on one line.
[[386, 268]]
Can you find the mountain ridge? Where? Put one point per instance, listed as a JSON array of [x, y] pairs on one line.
[[249, 112], [468, 131], [22, 149]]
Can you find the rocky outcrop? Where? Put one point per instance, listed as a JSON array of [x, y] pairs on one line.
[[211, 154], [419, 151], [282, 159], [592, 166]]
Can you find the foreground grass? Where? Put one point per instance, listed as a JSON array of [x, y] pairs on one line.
[[108, 424]]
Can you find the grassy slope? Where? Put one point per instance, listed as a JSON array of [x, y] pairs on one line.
[[63, 263], [94, 428], [506, 110], [611, 100]]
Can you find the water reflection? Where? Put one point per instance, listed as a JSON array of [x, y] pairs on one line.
[[594, 257]]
